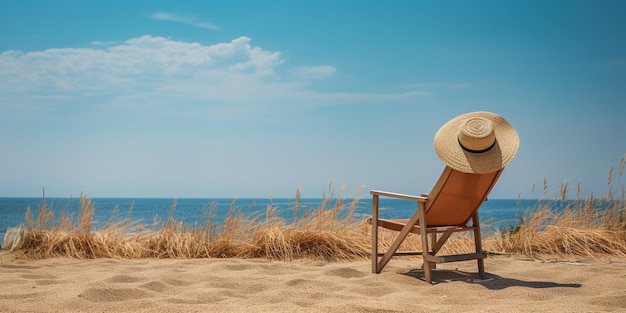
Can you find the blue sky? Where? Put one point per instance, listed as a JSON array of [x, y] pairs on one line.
[[237, 99]]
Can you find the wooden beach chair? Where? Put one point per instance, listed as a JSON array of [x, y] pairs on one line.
[[451, 206]]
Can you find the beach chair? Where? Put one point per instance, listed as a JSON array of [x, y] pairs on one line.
[[451, 206], [475, 147]]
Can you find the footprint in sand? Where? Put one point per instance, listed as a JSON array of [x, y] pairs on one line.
[[114, 294], [120, 279], [306, 283], [176, 282], [345, 273], [238, 267], [299, 282], [156, 286]]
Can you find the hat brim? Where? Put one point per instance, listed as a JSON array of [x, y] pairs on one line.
[[453, 155]]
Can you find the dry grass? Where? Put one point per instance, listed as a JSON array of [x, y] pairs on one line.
[[585, 228], [318, 234]]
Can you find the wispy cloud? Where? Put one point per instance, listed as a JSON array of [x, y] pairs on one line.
[[172, 17], [155, 72]]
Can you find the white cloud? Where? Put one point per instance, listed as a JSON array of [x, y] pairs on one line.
[[139, 61], [162, 16], [154, 72]]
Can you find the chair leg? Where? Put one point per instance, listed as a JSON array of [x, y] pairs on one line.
[[425, 249], [478, 244], [433, 243], [375, 249], [427, 264], [375, 234]]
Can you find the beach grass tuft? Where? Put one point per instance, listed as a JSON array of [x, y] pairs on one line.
[[586, 227]]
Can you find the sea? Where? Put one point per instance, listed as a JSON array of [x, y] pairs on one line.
[[494, 214]]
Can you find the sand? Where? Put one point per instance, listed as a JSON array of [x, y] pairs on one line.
[[512, 284]]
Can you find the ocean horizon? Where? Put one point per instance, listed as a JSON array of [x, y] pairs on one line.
[[494, 213]]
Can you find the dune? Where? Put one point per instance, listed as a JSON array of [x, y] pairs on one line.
[[512, 284]]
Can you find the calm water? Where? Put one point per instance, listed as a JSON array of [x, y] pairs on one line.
[[494, 213]]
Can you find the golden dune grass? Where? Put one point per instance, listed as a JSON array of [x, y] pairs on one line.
[[586, 228], [318, 234]]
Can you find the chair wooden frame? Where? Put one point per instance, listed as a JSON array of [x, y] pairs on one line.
[[430, 218]]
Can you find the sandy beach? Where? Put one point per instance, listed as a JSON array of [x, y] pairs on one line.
[[512, 284]]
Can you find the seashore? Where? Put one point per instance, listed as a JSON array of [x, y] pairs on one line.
[[512, 284]]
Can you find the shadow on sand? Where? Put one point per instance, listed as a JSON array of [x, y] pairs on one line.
[[491, 281]]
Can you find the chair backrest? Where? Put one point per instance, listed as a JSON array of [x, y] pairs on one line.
[[456, 196]]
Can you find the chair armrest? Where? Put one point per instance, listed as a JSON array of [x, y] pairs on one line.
[[397, 195]]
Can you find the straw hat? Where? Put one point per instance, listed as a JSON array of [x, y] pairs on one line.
[[477, 142]]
